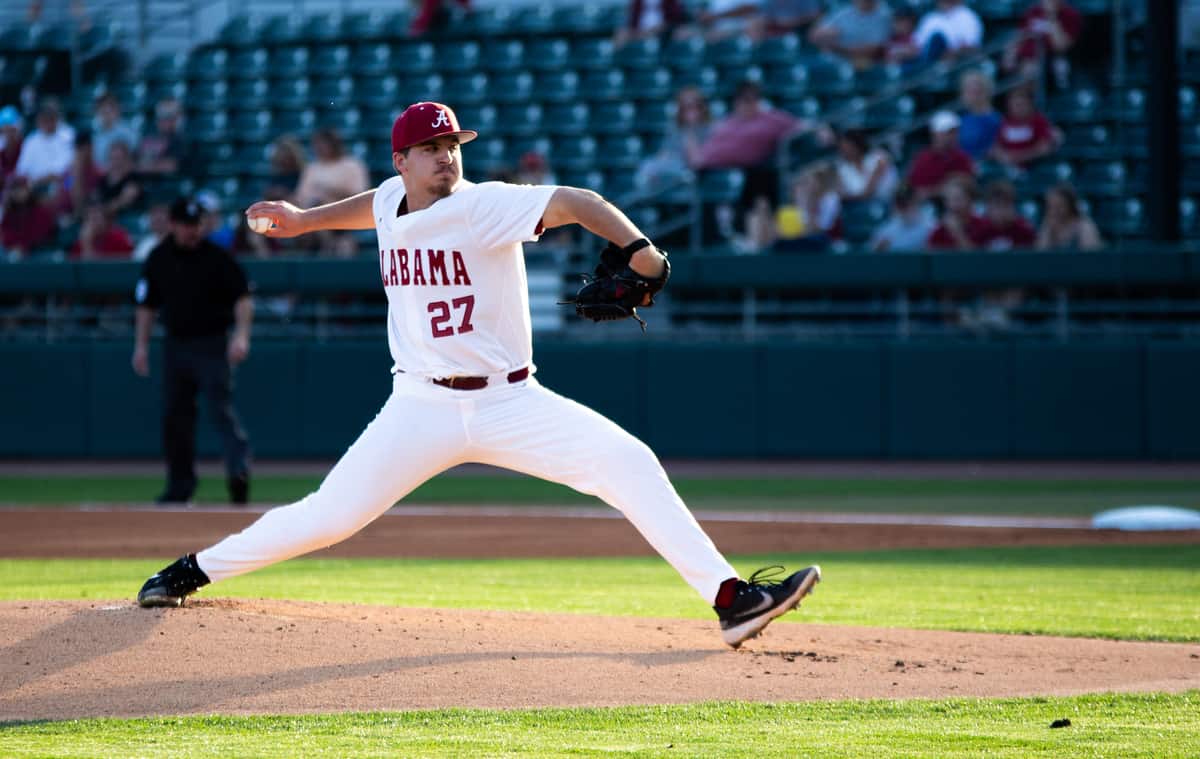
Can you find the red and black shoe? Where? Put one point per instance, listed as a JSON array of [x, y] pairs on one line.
[[755, 602]]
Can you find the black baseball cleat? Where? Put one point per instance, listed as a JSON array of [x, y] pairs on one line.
[[758, 600], [171, 585]]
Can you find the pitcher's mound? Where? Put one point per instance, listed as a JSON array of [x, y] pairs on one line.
[[77, 659]]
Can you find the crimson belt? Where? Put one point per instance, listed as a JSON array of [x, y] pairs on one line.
[[478, 383]]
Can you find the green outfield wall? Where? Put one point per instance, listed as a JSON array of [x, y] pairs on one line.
[[896, 400]]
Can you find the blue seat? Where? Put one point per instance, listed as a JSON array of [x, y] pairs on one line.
[[877, 79], [860, 218], [481, 118], [1043, 175], [721, 185], [253, 126], [603, 85], [575, 153], [1089, 142], [780, 50], [458, 56], [208, 126], [321, 29], [334, 92], [289, 121], [650, 84], [827, 76], [347, 122], [519, 146], [240, 31], [331, 60], [377, 91], [370, 26], [786, 81], [486, 155], [555, 87], [503, 55], [562, 119], [282, 30], [428, 87], [418, 58], [490, 22], [289, 62], [206, 65], [1128, 106], [588, 179], [291, 93], [209, 95], [1080, 106], [594, 54], [373, 59], [686, 54], [535, 20], [732, 77], [588, 18], [640, 53], [621, 152], [704, 78], [620, 117], [251, 93], [1189, 217], [550, 54], [250, 63], [523, 119], [1120, 217], [469, 88]]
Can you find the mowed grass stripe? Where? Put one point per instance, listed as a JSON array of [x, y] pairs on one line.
[[1130, 592], [1059, 497], [1151, 725]]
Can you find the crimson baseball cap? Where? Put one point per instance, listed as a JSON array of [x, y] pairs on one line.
[[422, 122]]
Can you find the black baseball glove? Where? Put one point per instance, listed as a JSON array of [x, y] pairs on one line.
[[615, 291]]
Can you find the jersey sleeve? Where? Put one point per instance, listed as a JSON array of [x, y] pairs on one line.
[[386, 201], [503, 214], [146, 292]]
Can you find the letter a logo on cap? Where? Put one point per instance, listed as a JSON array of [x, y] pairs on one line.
[[442, 120]]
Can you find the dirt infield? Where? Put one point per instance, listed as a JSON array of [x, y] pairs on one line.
[[65, 659], [72, 659]]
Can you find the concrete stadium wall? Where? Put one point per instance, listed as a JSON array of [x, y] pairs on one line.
[[1119, 400]]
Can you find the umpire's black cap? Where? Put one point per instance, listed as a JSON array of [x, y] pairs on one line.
[[186, 210]]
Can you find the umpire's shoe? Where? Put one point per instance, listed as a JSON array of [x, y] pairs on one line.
[[173, 584], [755, 602]]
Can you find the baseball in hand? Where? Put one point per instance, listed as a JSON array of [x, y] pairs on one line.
[[259, 224]]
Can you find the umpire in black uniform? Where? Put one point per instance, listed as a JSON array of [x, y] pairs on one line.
[[201, 291]]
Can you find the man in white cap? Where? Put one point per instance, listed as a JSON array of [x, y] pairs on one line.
[[464, 390], [942, 160]]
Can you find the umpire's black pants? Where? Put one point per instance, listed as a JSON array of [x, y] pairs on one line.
[[191, 365]]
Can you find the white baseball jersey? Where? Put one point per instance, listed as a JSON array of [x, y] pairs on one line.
[[454, 274]]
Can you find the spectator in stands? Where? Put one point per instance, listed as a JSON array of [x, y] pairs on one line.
[[902, 48], [333, 175], [1004, 227], [720, 19], [11, 137], [101, 237], [959, 228], [1065, 225], [46, 153], [906, 229], [979, 122], [432, 14], [212, 223], [1049, 29], [812, 221], [942, 160], [681, 148], [864, 172], [950, 30], [27, 222], [778, 17], [119, 189], [108, 127], [162, 151], [858, 32], [747, 139], [80, 181], [650, 18], [1025, 135], [160, 224], [287, 166], [533, 168]]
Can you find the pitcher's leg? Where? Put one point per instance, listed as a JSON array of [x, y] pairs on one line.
[[548, 436], [409, 441]]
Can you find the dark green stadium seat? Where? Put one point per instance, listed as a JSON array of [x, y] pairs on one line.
[[1122, 217], [1189, 217], [485, 155], [731, 51], [209, 95], [647, 218], [654, 116], [1045, 174], [575, 153], [220, 160], [251, 63], [860, 218], [156, 91], [481, 118], [621, 152], [377, 91], [1132, 140], [877, 79], [781, 50], [417, 58], [20, 36], [323, 28], [255, 126], [589, 18], [523, 119], [1105, 178], [331, 60], [592, 54], [368, 27], [1190, 138], [534, 20], [827, 76], [373, 59], [348, 123], [621, 117], [206, 65], [640, 54], [468, 88], [548, 54], [239, 31], [458, 56], [650, 84], [427, 87], [208, 126], [519, 146], [618, 183], [334, 92], [552, 87], [1080, 106], [289, 62], [564, 119], [1128, 106], [133, 97], [731, 77], [588, 179], [490, 21], [686, 54], [1187, 105], [705, 78], [1088, 142], [898, 113], [503, 55], [282, 30], [603, 85], [786, 81], [291, 93]]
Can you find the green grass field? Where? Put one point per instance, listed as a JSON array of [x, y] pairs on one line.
[[1128, 592], [1042, 497], [1136, 592], [1158, 726]]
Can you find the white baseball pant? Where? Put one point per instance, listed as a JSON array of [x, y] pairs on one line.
[[424, 429]]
